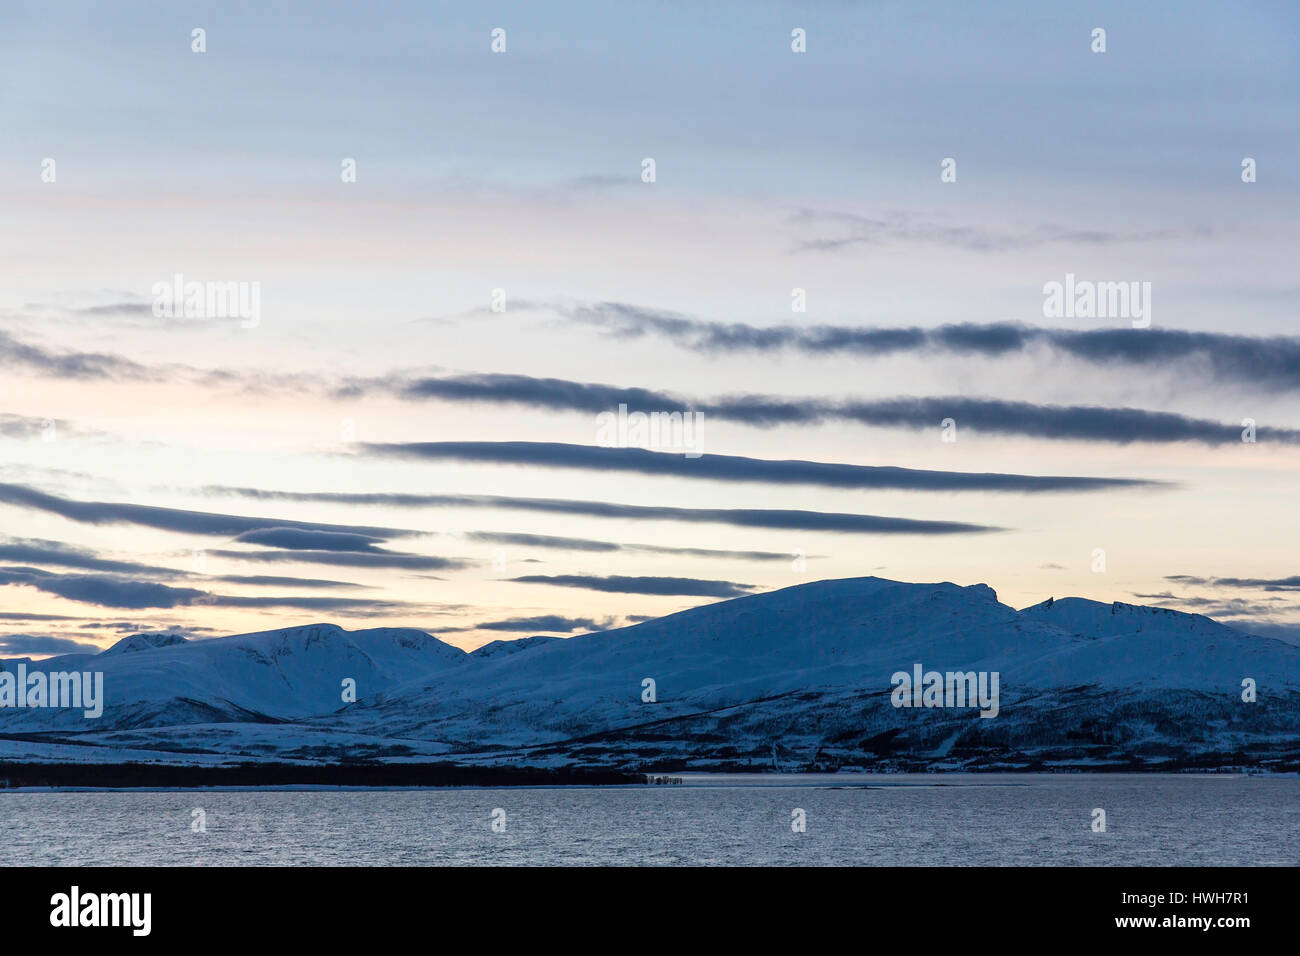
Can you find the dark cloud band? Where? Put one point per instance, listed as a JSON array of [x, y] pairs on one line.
[[766, 518], [546, 623], [735, 468], [171, 519], [116, 592], [992, 416], [1259, 362], [347, 559], [623, 584], [587, 544]]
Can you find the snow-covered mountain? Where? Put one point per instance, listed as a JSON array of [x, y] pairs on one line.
[[155, 680], [799, 678], [802, 677]]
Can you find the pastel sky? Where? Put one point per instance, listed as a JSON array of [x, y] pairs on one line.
[[382, 446]]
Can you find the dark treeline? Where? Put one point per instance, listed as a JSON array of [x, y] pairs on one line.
[[285, 775]]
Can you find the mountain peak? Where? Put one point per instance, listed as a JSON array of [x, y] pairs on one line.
[[1099, 618], [505, 647], [145, 642]]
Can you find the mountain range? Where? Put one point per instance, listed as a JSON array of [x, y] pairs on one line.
[[803, 678]]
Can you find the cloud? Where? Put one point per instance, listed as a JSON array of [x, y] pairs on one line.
[[85, 366], [33, 551], [1262, 362], [1241, 613], [24, 645], [1287, 631], [769, 518], [852, 229], [269, 580], [1065, 422], [170, 519], [1196, 601], [311, 603], [300, 539], [735, 468], [108, 591], [1269, 363], [993, 416], [102, 590], [623, 584], [136, 627], [1291, 583], [379, 558], [543, 541], [550, 393], [114, 309], [40, 551], [29, 427], [17, 356], [587, 544], [548, 623]]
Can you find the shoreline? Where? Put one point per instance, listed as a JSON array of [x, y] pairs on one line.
[[255, 777]]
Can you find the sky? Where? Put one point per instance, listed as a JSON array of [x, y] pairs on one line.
[[456, 265]]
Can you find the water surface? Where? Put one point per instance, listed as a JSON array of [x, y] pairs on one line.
[[925, 819]]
